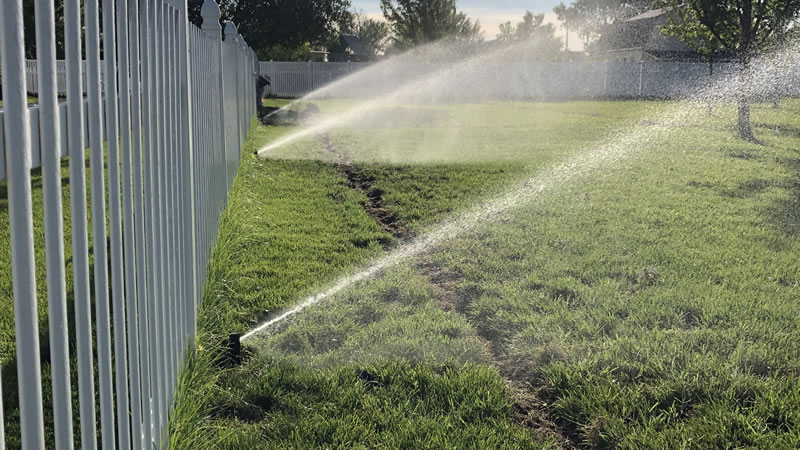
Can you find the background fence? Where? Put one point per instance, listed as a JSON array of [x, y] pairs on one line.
[[164, 117], [548, 81], [538, 80]]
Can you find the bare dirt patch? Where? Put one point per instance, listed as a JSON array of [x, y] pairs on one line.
[[360, 180], [529, 410]]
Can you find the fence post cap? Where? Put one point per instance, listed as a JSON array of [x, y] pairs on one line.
[[210, 13], [230, 30]]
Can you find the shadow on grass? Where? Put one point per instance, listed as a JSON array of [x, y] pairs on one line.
[[785, 214], [782, 130], [10, 379], [37, 183]]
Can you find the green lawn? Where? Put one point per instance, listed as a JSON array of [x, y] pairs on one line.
[[7, 329], [653, 303], [30, 100]]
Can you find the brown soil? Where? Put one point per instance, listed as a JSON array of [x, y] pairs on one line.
[[360, 180], [529, 410]]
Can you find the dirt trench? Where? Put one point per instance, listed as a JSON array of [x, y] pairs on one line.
[[529, 410], [361, 181]]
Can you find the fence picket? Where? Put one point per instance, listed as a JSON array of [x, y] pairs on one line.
[[168, 172], [96, 163], [129, 226], [115, 228], [141, 260], [153, 400], [157, 151], [20, 211], [54, 234], [80, 238]]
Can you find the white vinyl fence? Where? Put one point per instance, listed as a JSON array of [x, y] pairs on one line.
[[540, 80], [172, 108], [534, 80]]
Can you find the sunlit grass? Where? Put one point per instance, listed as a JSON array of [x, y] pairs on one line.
[[651, 305], [31, 100]]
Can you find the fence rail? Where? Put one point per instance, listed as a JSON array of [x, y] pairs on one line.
[[535, 80], [163, 116]]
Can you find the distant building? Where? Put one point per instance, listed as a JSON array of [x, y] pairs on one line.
[[639, 39]]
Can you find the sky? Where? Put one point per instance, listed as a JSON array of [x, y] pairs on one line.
[[492, 14]]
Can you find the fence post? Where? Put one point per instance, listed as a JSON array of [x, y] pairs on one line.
[[641, 78], [186, 104], [211, 14], [231, 37], [247, 99], [256, 73], [23, 272], [240, 86]]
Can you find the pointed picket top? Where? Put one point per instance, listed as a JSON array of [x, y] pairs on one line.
[[231, 31], [210, 13]]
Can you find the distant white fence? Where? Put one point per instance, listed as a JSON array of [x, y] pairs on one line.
[[535, 80], [172, 109], [295, 79], [547, 81]]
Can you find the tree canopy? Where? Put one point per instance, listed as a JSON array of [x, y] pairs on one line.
[[283, 29], [533, 30], [743, 27], [568, 16], [592, 18], [373, 33], [683, 23], [417, 22], [29, 24]]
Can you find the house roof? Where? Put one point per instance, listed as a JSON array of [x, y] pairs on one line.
[[644, 32], [646, 15], [355, 45]]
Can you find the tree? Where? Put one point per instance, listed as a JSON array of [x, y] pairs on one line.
[[683, 23], [28, 18], [744, 27], [592, 18], [283, 29], [373, 33], [417, 22], [568, 16], [532, 29]]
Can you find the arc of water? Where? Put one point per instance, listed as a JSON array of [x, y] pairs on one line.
[[625, 145], [415, 88]]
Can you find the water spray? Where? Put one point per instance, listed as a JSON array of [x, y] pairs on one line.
[[517, 195], [625, 145]]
